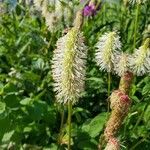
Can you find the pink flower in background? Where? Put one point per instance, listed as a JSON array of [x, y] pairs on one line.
[[90, 9]]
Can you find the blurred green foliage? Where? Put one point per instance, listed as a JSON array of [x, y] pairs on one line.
[[29, 117]]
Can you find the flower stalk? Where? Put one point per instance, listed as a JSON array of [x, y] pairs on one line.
[[136, 25], [120, 104], [68, 68], [69, 124], [126, 66]]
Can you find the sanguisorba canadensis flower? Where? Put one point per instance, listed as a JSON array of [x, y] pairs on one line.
[[140, 60], [121, 63], [68, 67], [54, 11], [107, 47], [113, 144], [137, 1]]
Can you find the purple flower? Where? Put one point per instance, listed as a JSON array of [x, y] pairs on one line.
[[89, 10]]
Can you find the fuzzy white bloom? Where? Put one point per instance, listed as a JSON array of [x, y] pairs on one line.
[[53, 11], [69, 12], [68, 67], [137, 1], [107, 46], [140, 60], [121, 63], [37, 4], [52, 17], [51, 21], [44, 8], [2, 9]]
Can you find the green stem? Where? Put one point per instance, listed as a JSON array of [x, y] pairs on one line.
[[104, 13], [108, 92], [140, 118], [136, 26], [69, 123], [109, 83], [61, 126]]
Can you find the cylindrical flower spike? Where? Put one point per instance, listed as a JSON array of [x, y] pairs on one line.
[[37, 4], [121, 63], [69, 67], [125, 82], [119, 101], [140, 60], [137, 1], [112, 144], [53, 11], [107, 48], [125, 2], [120, 104], [51, 17], [78, 20]]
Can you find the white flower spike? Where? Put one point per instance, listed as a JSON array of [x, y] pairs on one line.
[[54, 16], [37, 4], [68, 67], [107, 47], [140, 60], [121, 63], [137, 1]]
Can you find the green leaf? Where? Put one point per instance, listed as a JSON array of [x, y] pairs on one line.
[[1, 88], [26, 101], [7, 136], [39, 64], [2, 107], [5, 124], [23, 48], [146, 89], [10, 87], [52, 147], [11, 100], [87, 145], [97, 124], [147, 117], [31, 76]]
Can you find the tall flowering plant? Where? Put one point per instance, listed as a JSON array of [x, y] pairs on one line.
[[126, 66], [69, 63]]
